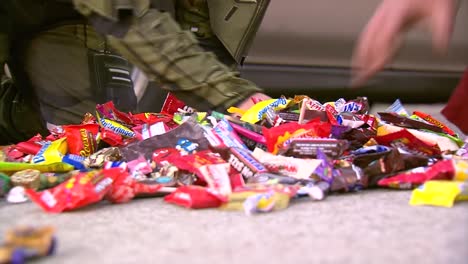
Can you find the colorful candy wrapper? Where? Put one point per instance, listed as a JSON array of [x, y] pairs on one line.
[[227, 135], [26, 178], [18, 166], [430, 119], [440, 193], [109, 111], [441, 170], [257, 112], [194, 197], [173, 105], [75, 160], [50, 180], [417, 140], [289, 166], [146, 131], [398, 108], [407, 141], [97, 160], [242, 161], [51, 152], [125, 188], [81, 190], [23, 244], [461, 170], [81, 139], [111, 138], [279, 137], [116, 127], [32, 146], [188, 137], [265, 202]]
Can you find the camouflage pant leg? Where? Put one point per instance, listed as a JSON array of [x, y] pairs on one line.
[[158, 46], [58, 63]]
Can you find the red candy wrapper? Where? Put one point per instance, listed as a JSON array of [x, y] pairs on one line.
[[173, 105], [81, 139], [32, 146], [442, 170], [81, 190], [277, 136], [111, 138], [109, 111], [125, 188], [407, 141], [195, 197]]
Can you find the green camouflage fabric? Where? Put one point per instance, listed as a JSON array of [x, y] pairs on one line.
[[194, 15], [158, 45]]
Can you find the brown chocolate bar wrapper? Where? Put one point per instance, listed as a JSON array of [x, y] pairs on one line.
[[380, 165], [406, 122], [307, 147]]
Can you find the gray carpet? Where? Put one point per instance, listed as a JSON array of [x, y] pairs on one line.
[[374, 226]]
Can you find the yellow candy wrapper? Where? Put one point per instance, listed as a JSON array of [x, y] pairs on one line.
[[255, 202], [51, 152], [10, 167], [440, 193], [461, 170], [256, 112]]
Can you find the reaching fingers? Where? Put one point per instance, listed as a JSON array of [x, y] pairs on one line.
[[441, 24], [377, 44]]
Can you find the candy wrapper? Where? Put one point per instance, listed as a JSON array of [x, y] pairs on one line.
[[257, 112], [441, 170], [415, 141], [81, 190], [440, 193], [262, 198], [51, 152], [194, 197], [289, 166], [280, 137], [81, 139], [97, 160], [18, 166], [32, 146], [125, 188], [24, 243], [188, 138], [378, 162], [242, 161], [265, 202]]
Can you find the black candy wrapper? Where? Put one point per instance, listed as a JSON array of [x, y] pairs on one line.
[[189, 136]]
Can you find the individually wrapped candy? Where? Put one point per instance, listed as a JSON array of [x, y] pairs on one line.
[[441, 170], [289, 166], [97, 160], [188, 137], [81, 139], [26, 178], [24, 243], [81, 190], [440, 193], [279, 137], [51, 152], [194, 197], [265, 202]]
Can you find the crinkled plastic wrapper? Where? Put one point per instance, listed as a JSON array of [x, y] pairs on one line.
[[189, 131]]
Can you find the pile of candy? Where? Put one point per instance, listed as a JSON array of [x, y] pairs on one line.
[[258, 160]]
